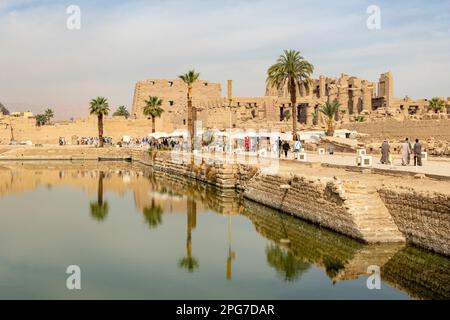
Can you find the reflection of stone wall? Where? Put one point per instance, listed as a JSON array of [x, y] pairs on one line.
[[421, 274], [423, 218]]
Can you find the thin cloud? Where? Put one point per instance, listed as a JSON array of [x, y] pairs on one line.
[[45, 64]]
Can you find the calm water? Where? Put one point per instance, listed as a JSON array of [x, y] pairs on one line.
[[136, 234]]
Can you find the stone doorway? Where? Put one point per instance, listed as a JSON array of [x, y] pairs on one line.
[[302, 114]]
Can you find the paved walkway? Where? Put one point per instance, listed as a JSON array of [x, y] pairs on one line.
[[433, 166], [438, 166]]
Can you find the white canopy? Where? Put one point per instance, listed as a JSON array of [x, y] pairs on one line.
[[158, 135], [179, 133]]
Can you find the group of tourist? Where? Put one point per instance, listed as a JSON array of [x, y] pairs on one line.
[[165, 143], [284, 146], [406, 150]]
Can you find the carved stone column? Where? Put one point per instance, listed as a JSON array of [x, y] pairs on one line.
[[309, 115], [367, 91]]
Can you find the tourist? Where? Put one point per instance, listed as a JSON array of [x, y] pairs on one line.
[[280, 145], [285, 148], [385, 149], [406, 151], [418, 153], [297, 146], [410, 151]]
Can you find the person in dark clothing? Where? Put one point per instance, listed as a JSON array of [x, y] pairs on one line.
[[280, 145], [410, 148], [286, 148], [417, 153]]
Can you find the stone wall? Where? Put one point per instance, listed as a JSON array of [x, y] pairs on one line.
[[329, 202], [25, 129], [174, 96], [392, 129], [424, 218], [212, 172]]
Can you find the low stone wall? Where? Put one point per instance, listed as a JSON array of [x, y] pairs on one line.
[[399, 130], [213, 172], [424, 218], [321, 202]]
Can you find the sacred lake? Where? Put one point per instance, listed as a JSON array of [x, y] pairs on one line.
[[136, 233]]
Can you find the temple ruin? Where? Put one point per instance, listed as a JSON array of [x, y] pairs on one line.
[[359, 99]]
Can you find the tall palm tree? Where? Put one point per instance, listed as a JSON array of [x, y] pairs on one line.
[[100, 108], [291, 69], [153, 109], [189, 262], [330, 109], [190, 78], [49, 114], [153, 214], [41, 120], [436, 104], [121, 112], [99, 209], [3, 110]]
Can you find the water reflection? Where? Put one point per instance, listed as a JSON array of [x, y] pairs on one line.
[[99, 209], [291, 248], [189, 262], [285, 263], [153, 214]]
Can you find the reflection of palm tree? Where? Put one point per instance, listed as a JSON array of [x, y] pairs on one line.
[[332, 266], [189, 262], [99, 209], [285, 263], [231, 254], [153, 214]]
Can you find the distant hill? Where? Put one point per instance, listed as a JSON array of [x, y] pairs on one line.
[[3, 109]]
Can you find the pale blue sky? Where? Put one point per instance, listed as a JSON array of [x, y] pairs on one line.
[[120, 42]]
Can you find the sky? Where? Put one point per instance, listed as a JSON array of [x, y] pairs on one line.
[[44, 64]]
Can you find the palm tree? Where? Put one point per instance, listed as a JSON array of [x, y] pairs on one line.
[[330, 109], [153, 109], [436, 104], [49, 114], [122, 112], [41, 119], [99, 209], [189, 262], [153, 214], [190, 78], [291, 69], [3, 110], [285, 263], [100, 108]]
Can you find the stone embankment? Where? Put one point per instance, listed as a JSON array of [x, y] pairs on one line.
[[372, 208], [372, 213]]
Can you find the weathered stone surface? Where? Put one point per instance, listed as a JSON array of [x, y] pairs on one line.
[[424, 218]]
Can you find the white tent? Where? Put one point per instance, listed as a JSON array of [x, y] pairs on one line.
[[179, 133], [158, 135]]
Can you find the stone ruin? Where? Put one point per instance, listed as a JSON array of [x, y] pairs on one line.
[[360, 100]]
